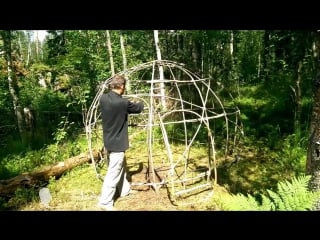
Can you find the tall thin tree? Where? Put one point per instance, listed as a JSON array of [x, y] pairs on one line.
[[313, 156], [12, 79], [161, 74], [124, 59], [110, 52]]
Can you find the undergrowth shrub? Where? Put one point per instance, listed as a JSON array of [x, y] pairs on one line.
[[290, 196]]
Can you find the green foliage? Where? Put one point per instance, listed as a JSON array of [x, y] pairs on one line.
[[261, 71], [290, 196], [294, 195], [293, 153], [3, 204], [15, 164], [62, 130], [22, 197], [40, 68], [267, 113], [240, 202], [249, 49]]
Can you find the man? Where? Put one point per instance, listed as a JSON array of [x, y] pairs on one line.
[[114, 113]]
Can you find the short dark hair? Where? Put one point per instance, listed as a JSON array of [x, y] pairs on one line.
[[117, 81]]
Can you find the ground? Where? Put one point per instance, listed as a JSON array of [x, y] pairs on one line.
[[79, 190], [146, 198], [150, 200]]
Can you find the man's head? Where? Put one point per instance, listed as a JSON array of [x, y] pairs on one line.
[[118, 84]]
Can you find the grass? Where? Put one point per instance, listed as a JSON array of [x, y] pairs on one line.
[[77, 190]]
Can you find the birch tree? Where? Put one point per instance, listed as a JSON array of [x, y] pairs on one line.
[[110, 52], [161, 75], [124, 59], [6, 36]]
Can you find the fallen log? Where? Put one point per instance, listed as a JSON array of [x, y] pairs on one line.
[[9, 186]]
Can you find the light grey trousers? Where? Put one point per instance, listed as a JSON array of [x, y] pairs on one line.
[[115, 179]]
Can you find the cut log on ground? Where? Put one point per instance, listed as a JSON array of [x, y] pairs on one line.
[[9, 186]]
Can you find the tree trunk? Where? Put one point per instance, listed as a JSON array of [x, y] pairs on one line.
[[124, 60], [29, 49], [313, 156], [123, 51], [12, 80], [110, 52], [297, 100], [8, 187], [161, 74], [37, 44]]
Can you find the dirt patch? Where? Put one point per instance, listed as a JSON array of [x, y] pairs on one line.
[[158, 198], [146, 200]]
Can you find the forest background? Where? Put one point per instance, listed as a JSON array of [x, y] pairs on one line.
[[271, 75]]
